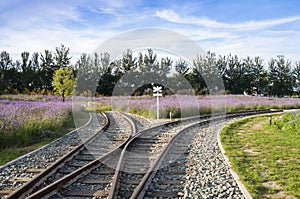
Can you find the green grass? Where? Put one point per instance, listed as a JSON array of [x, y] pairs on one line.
[[10, 153], [99, 106], [263, 153]]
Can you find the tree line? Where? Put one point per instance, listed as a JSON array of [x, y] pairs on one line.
[[35, 73]]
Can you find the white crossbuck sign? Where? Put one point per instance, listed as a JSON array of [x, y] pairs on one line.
[[157, 89], [157, 92]]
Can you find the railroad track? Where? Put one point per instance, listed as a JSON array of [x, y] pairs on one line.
[[140, 153], [117, 128], [124, 171], [18, 172], [86, 188], [191, 169], [167, 175]]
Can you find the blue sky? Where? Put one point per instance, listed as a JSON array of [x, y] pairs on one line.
[[263, 28]]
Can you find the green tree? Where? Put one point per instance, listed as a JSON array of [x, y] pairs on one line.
[[109, 74], [90, 68], [85, 82], [165, 66], [37, 81], [128, 62], [235, 75], [206, 73], [260, 76], [280, 77], [149, 67], [182, 67], [63, 82], [5, 65], [108, 80], [47, 69], [296, 73], [62, 56], [27, 73], [149, 63], [254, 78]]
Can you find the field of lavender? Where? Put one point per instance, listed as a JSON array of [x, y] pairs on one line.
[[186, 106], [26, 120]]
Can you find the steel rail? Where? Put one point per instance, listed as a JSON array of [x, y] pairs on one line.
[[59, 184], [120, 164], [141, 188], [75, 174], [27, 187]]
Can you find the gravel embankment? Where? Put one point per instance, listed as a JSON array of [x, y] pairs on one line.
[[211, 176], [194, 167], [44, 156]]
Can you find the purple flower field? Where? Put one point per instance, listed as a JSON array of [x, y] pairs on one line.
[[13, 114], [20, 119], [146, 105], [42, 112], [209, 101]]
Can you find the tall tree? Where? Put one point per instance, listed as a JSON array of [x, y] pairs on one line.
[[296, 73], [150, 63], [62, 57], [254, 76], [89, 72], [280, 76], [234, 75], [109, 74], [181, 67], [5, 64], [149, 69], [37, 80], [128, 62], [63, 82], [27, 72], [108, 80], [84, 80], [258, 76], [5, 60], [206, 72], [47, 69], [35, 61], [165, 66]]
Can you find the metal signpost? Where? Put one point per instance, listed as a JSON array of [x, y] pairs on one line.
[[157, 91]]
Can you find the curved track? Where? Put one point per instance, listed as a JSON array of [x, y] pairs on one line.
[[79, 183], [126, 171], [117, 128], [23, 169], [191, 166]]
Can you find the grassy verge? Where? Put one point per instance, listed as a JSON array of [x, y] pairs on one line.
[[266, 156], [10, 153]]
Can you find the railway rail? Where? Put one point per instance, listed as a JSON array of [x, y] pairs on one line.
[[21, 170], [103, 163], [116, 129], [128, 169]]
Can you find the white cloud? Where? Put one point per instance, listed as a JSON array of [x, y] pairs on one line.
[[264, 46], [45, 27], [251, 38], [37, 40], [107, 11], [172, 16]]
